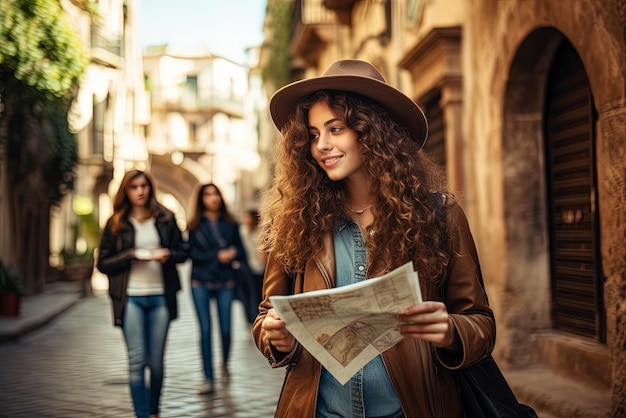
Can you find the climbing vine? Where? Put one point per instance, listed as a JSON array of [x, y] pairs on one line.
[[276, 70]]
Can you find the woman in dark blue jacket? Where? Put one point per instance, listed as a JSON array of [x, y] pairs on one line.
[[215, 247], [140, 247]]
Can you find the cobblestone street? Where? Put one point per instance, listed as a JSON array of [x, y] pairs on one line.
[[76, 367]]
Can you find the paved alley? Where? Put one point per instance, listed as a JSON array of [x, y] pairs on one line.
[[76, 367]]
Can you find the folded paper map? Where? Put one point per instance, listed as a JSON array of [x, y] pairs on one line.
[[346, 327]]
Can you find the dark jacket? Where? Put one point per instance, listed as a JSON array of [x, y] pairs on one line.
[[204, 246], [420, 373], [116, 255]]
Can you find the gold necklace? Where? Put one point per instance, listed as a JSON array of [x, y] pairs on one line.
[[360, 211], [365, 230]]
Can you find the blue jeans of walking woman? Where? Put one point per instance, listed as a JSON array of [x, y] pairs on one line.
[[224, 298], [145, 327]]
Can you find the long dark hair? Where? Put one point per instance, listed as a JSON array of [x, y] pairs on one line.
[[199, 207], [121, 202]]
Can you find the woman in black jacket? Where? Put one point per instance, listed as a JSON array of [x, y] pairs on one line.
[[215, 247], [140, 247]]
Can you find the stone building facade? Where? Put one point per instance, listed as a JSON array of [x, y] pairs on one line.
[[526, 102], [200, 129]]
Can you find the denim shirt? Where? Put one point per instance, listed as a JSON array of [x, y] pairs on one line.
[[369, 393]]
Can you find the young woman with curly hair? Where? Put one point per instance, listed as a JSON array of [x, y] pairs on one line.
[[354, 198]]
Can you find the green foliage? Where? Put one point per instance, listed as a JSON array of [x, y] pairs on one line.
[[38, 47], [70, 257], [10, 281], [42, 152], [276, 70], [86, 228], [90, 228], [41, 60], [63, 151]]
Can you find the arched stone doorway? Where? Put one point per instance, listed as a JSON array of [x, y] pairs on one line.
[[179, 180], [527, 291], [532, 311]]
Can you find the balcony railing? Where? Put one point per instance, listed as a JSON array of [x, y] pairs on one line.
[[106, 47], [313, 26], [209, 103], [312, 12]]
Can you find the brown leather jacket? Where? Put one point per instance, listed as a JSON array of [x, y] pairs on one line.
[[419, 372]]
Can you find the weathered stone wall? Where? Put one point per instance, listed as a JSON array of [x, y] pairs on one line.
[[502, 50], [612, 171]]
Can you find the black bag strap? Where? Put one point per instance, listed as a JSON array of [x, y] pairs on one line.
[[292, 277]]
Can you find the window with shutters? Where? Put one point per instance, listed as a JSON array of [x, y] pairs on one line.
[[435, 144]]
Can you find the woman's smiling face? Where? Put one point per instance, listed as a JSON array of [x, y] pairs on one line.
[[334, 146]]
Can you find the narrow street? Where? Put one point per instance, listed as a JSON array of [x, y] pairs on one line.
[[76, 367]]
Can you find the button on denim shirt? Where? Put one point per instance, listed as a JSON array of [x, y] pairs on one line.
[[369, 393]]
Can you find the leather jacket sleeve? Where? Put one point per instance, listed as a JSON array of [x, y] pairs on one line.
[[277, 282], [463, 293], [115, 252]]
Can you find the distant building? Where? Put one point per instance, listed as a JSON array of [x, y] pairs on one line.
[[200, 129]]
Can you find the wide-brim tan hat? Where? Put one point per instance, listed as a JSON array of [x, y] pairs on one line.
[[354, 76]]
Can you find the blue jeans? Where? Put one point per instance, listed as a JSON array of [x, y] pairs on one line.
[[201, 299], [145, 326]]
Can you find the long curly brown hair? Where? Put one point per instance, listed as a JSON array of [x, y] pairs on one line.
[[303, 203]]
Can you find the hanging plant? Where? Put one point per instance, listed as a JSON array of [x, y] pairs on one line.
[[39, 47]]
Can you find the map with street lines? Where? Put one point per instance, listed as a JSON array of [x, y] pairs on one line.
[[346, 327]]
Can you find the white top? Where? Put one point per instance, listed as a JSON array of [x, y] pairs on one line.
[[146, 276]]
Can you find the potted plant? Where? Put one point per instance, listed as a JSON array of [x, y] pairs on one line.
[[11, 291], [78, 260], [77, 267]]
